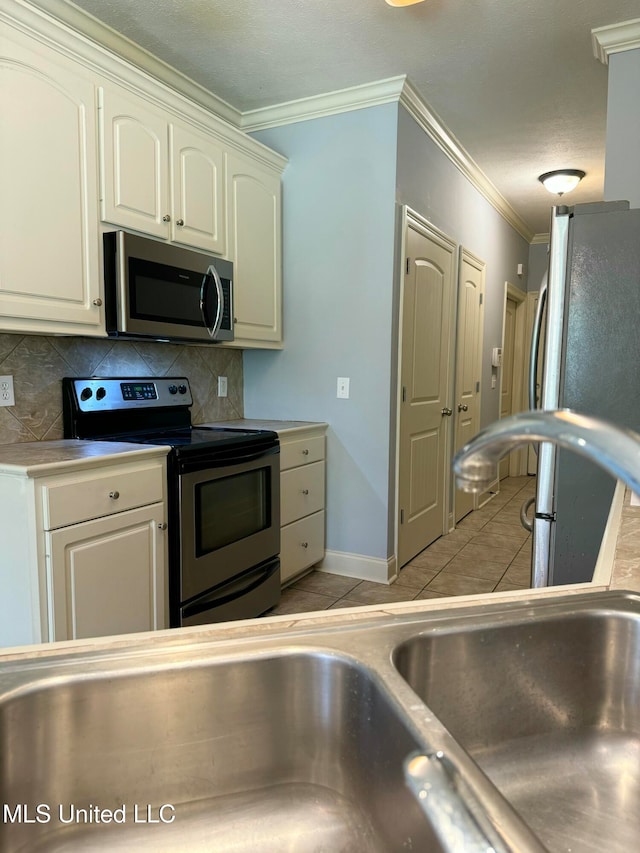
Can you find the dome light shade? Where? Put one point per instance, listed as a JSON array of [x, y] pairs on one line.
[[403, 2], [562, 180]]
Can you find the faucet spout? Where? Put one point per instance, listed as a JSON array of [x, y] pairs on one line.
[[615, 449]]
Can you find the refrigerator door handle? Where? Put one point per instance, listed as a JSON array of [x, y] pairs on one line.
[[535, 344]]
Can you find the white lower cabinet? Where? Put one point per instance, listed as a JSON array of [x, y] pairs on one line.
[[85, 541], [302, 499], [106, 575]]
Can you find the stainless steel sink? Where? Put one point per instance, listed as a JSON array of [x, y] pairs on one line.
[[548, 705], [515, 724], [298, 751]]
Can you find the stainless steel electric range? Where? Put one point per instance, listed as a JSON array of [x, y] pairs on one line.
[[223, 492]]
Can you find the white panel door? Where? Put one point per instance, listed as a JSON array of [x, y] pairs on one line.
[[466, 410], [108, 576], [197, 185], [49, 242], [424, 375], [134, 164]]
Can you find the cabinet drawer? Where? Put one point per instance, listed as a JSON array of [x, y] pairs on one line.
[[71, 500], [301, 492], [301, 545], [301, 452]]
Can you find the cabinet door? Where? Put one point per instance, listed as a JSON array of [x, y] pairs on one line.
[[197, 184], [254, 230], [134, 164], [107, 576], [49, 243]]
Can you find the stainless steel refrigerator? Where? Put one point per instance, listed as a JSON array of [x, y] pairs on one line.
[[591, 364]]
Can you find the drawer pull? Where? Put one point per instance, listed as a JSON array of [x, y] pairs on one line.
[[114, 495], [305, 491], [305, 452], [304, 544]]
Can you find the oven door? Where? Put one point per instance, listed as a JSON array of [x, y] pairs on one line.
[[229, 521]]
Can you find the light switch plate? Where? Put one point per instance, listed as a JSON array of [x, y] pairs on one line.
[[222, 386], [343, 387]]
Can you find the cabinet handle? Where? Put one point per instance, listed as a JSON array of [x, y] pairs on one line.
[[180, 222], [305, 491], [166, 218], [97, 302], [304, 544], [114, 495], [305, 452], [162, 525]]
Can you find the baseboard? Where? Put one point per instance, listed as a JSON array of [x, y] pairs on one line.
[[488, 494], [359, 566]]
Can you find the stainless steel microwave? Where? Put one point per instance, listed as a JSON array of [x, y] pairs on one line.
[[158, 291]]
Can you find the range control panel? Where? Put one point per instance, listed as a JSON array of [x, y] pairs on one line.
[[101, 394]]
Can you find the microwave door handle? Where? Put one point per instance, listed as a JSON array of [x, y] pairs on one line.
[[212, 273], [204, 290]]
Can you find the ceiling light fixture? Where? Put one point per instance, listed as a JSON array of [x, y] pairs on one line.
[[403, 2], [562, 180]]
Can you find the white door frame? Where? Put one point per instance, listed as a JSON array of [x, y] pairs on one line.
[[422, 224], [518, 458]]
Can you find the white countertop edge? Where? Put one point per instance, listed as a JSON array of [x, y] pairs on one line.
[[269, 626]]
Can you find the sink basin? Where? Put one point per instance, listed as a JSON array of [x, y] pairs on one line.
[[547, 703], [296, 751], [506, 726]]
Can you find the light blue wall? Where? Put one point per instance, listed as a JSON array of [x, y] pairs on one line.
[[340, 282], [622, 160], [338, 224], [428, 182], [538, 263]]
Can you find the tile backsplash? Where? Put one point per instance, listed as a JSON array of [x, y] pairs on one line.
[[38, 363]]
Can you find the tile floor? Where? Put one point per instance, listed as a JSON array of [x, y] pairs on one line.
[[488, 551]]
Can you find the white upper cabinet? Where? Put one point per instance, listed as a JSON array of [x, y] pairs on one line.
[[49, 241], [254, 224], [197, 189], [159, 176]]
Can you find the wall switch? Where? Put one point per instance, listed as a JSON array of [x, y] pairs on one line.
[[222, 386], [7, 397], [494, 380], [343, 387]]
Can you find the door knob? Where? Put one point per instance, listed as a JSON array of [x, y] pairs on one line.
[[180, 222], [462, 407], [447, 411], [166, 218]]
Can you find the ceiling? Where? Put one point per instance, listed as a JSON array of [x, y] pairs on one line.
[[515, 82]]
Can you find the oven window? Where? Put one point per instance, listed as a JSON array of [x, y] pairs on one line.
[[231, 508]]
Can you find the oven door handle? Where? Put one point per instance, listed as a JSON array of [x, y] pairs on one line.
[[212, 273], [189, 466], [218, 597]]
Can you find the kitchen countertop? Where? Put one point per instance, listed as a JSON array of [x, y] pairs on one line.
[[38, 458], [277, 426]]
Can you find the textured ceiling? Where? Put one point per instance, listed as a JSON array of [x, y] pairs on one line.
[[516, 82]]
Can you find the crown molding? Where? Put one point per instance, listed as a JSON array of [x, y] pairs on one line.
[[539, 239], [103, 36], [615, 38], [390, 90], [331, 103], [449, 145]]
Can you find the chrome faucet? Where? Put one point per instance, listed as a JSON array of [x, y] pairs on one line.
[[615, 449]]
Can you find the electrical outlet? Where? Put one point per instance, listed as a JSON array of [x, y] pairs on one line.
[[222, 386], [343, 387], [7, 397]]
